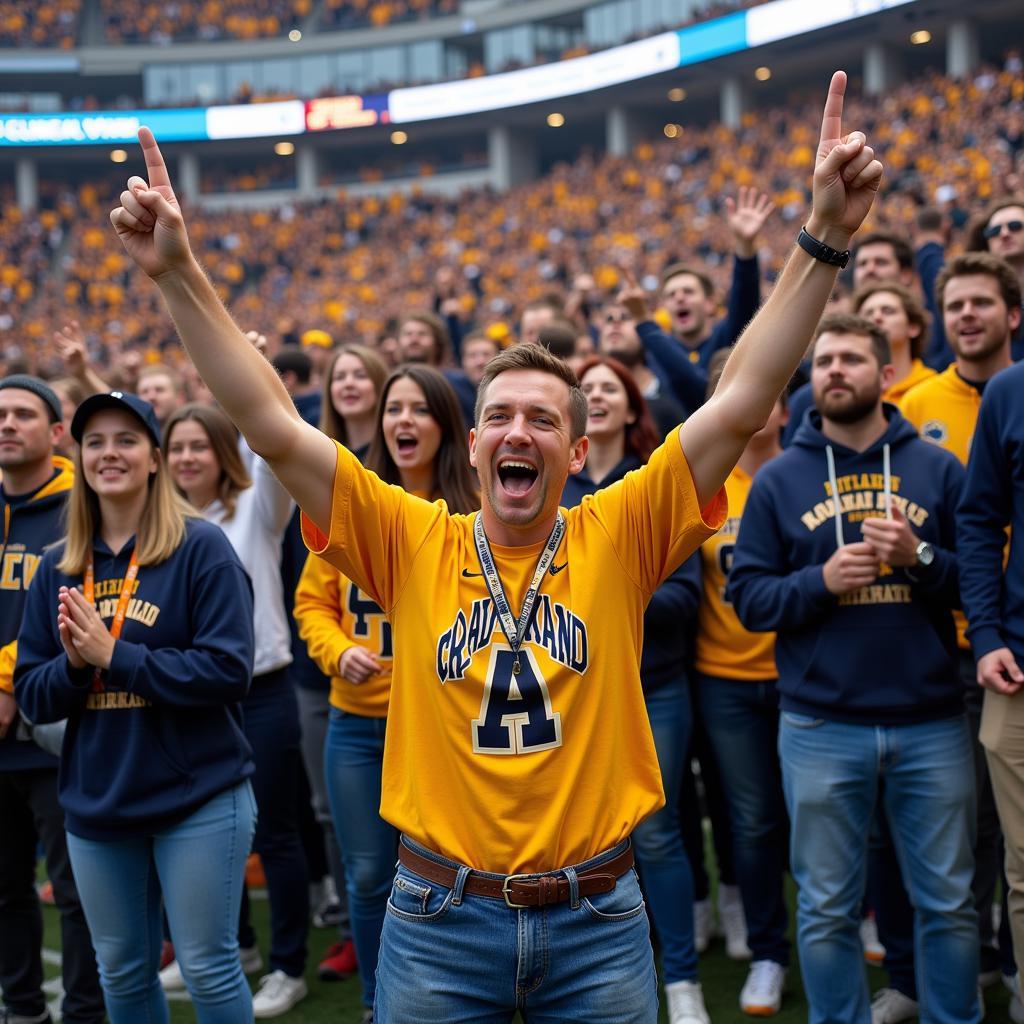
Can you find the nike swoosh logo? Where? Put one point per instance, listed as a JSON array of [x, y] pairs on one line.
[[470, 575], [556, 569]]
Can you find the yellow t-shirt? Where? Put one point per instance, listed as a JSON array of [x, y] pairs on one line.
[[548, 768], [724, 647], [333, 614], [944, 409]]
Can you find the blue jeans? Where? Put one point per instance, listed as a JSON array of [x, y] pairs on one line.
[[199, 865], [353, 756], [270, 714], [834, 774], [449, 956], [658, 841], [741, 718]]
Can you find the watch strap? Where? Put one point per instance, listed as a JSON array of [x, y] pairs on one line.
[[822, 252]]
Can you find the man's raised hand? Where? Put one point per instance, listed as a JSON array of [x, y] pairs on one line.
[[149, 221], [746, 216], [846, 173]]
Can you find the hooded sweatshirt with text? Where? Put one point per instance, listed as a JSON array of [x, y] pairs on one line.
[[885, 653]]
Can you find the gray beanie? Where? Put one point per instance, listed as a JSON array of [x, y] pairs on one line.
[[39, 388]]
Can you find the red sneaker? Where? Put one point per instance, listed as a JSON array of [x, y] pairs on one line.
[[166, 954], [339, 962]]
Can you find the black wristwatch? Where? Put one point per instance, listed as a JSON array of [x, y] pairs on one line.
[[821, 251]]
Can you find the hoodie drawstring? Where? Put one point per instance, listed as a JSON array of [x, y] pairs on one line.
[[887, 471], [837, 516]]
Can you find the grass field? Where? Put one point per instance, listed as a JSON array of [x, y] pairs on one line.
[[339, 1002]]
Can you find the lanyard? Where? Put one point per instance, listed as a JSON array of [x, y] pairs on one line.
[[89, 592], [515, 632]]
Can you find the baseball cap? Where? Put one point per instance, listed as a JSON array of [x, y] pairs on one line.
[[39, 388], [138, 407], [314, 337]]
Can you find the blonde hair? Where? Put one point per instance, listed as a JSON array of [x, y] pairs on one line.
[[161, 528]]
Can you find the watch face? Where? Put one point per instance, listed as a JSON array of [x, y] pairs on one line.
[[926, 554]]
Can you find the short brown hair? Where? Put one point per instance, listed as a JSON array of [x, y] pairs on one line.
[[912, 307], [559, 338], [678, 269], [981, 263], [901, 248], [849, 323], [161, 370], [536, 357], [437, 328]]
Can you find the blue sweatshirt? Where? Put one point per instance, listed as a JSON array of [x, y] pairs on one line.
[[886, 653], [163, 733], [993, 499], [34, 522], [671, 616]]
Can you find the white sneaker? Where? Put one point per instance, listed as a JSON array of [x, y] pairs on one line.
[[251, 960], [733, 922], [702, 925], [171, 978], [874, 951], [761, 995], [686, 1003], [277, 994], [890, 1006], [1012, 983]]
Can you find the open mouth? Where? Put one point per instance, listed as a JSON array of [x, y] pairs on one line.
[[406, 444], [517, 476]]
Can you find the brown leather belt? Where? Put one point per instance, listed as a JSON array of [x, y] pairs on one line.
[[521, 890]]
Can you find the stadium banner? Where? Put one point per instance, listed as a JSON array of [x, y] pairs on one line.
[[101, 127], [712, 39], [331, 113], [785, 18], [255, 120], [534, 85]]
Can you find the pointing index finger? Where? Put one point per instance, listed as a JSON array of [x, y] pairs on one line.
[[156, 169], [832, 118]]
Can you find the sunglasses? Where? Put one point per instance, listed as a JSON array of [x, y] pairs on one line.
[[1013, 226]]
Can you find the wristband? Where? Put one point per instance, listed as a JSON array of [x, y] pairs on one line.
[[822, 252]]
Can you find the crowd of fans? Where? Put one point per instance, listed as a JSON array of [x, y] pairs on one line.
[[23, 23], [640, 272], [336, 263]]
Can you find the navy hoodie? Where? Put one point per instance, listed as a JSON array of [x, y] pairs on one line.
[[34, 522], [163, 734], [886, 653], [993, 499], [671, 616]]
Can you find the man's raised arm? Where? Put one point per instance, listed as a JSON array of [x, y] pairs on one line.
[[152, 230], [846, 179]]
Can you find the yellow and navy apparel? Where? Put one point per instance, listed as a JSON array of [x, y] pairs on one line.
[[333, 614], [993, 499], [669, 618], [518, 772], [945, 412], [725, 649], [884, 654], [159, 734], [31, 523]]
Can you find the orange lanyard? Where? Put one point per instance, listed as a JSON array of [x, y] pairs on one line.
[[89, 592]]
